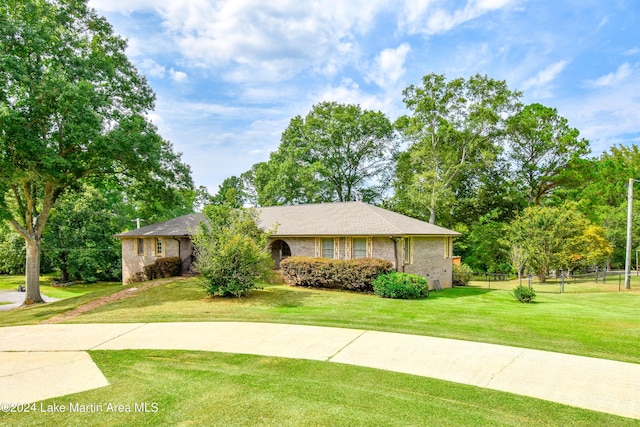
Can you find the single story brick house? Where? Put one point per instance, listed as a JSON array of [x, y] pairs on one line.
[[332, 230]]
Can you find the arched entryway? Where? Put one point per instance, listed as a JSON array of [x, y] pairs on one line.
[[279, 251]]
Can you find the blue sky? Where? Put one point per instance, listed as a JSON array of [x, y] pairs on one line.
[[229, 75]]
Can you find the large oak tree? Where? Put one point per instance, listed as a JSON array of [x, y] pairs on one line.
[[542, 147], [72, 108], [337, 152]]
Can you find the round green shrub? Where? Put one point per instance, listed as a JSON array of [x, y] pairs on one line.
[[401, 285], [524, 294]]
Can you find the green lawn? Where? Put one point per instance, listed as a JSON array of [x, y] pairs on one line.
[[197, 388], [11, 282], [601, 324], [72, 297], [193, 388]]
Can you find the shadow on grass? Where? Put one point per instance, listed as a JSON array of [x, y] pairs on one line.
[[459, 292], [280, 297]]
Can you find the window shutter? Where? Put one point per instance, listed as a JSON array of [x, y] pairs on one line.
[[318, 247], [369, 247], [336, 248], [348, 251]]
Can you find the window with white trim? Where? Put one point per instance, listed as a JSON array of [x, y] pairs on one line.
[[327, 247], [359, 247], [159, 246], [408, 246], [448, 246]]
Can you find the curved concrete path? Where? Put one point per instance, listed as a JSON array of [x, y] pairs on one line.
[[596, 384]]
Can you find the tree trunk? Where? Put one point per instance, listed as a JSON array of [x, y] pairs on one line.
[[432, 215], [32, 271]]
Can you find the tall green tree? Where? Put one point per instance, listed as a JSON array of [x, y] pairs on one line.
[[72, 108], [337, 152], [603, 196], [231, 191], [78, 240], [543, 148], [453, 127]]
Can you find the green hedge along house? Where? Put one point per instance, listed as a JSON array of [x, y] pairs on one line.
[[331, 230]]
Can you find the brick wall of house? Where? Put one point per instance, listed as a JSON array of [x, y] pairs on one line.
[[429, 260], [133, 263], [383, 249], [428, 255]]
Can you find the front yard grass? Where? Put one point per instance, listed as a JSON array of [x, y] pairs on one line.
[[11, 283], [218, 389], [604, 325], [201, 388], [72, 296]]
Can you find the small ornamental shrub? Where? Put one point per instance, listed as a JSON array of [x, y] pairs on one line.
[[163, 267], [352, 274], [170, 266], [150, 271], [401, 285], [462, 275], [524, 294]]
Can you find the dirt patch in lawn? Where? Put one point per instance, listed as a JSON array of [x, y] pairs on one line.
[[117, 296]]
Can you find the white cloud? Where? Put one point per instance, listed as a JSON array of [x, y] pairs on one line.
[[151, 68], [608, 115], [420, 17], [178, 76], [611, 79], [268, 41], [541, 80], [388, 67], [349, 92]]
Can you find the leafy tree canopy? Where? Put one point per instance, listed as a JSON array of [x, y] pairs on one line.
[[554, 238], [542, 146], [337, 152], [232, 251], [72, 108], [453, 126]]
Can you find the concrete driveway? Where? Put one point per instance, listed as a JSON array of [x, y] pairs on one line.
[[15, 299], [590, 383]]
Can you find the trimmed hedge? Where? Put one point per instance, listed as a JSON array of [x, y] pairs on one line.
[[163, 267], [401, 285], [353, 274]]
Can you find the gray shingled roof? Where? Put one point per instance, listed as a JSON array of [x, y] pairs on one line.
[[324, 219], [180, 226]]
